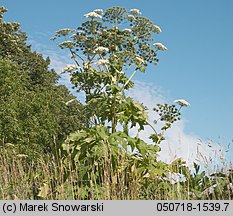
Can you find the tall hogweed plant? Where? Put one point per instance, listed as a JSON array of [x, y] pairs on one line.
[[108, 49]]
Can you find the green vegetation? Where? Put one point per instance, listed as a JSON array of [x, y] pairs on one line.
[[54, 147], [32, 110]]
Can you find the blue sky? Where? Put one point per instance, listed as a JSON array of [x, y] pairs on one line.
[[198, 65]]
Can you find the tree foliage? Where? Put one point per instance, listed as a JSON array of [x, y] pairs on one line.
[[33, 106]]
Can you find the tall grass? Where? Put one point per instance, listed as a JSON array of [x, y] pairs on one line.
[[48, 177]]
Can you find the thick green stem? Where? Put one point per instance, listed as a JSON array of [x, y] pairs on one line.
[[114, 120]]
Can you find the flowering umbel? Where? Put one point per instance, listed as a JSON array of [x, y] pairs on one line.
[[182, 102], [157, 29], [160, 46], [135, 11], [121, 39], [102, 62], [70, 68], [93, 14], [64, 32], [101, 49], [98, 11]]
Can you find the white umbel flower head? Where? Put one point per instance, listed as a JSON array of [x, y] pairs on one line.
[[101, 49], [64, 32], [98, 11], [160, 46], [157, 29], [127, 30], [102, 62], [135, 11], [182, 102], [92, 15], [70, 68], [67, 44], [131, 17]]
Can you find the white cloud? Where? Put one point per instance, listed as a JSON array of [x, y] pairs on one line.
[[178, 143]]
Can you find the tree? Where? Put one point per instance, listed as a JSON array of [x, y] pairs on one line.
[[12, 88], [33, 106]]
